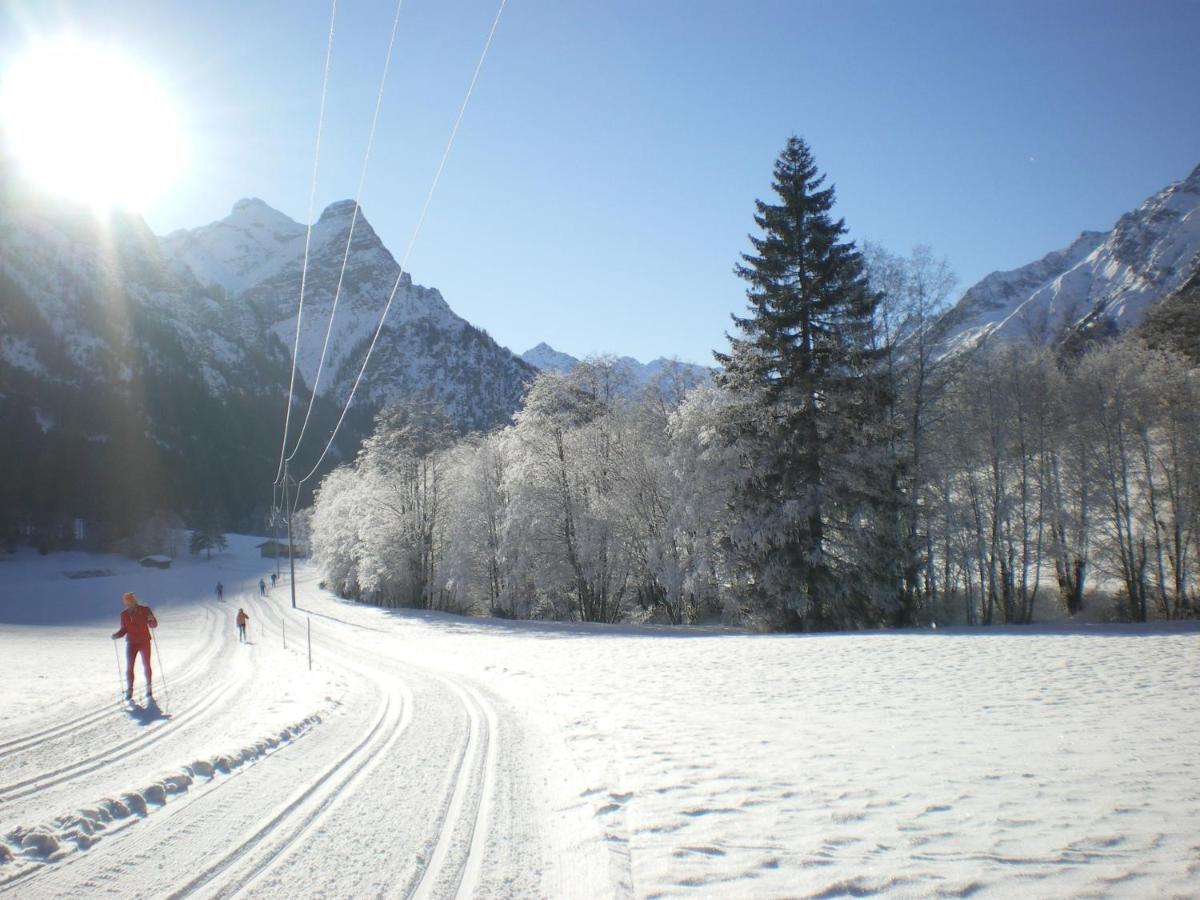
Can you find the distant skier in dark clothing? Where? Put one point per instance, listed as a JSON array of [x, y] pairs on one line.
[[220, 590], [242, 619], [136, 622], [262, 587], [273, 577]]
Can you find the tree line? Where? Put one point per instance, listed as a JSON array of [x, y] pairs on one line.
[[840, 470]]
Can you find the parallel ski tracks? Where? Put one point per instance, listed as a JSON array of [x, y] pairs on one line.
[[305, 811], [308, 809], [197, 663], [468, 813], [197, 710], [454, 866], [115, 752], [456, 863]]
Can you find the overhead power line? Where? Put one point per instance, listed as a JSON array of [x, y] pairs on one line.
[[412, 241], [312, 195], [362, 178]]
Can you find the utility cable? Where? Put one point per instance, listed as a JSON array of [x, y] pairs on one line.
[[416, 231], [362, 178], [312, 194]]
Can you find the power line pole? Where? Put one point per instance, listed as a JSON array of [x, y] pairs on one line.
[[275, 530], [287, 499]]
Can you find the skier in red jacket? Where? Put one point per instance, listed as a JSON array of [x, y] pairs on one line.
[[136, 622]]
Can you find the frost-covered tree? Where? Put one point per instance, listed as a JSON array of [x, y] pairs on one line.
[[817, 535], [914, 293], [403, 470], [564, 469], [339, 514], [478, 560], [1141, 425]]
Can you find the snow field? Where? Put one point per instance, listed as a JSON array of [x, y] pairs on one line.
[[1062, 762], [433, 756], [394, 786]]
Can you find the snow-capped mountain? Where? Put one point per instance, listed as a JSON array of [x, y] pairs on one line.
[[140, 374], [257, 256], [1104, 282], [546, 358]]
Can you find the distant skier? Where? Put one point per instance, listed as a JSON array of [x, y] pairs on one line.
[[273, 577], [262, 587], [242, 619], [136, 622], [220, 590]]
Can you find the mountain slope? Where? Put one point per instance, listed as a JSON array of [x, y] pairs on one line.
[[1105, 282], [124, 393], [1174, 324], [256, 256]]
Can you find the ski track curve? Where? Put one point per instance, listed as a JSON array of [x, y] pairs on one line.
[[456, 853], [410, 753]]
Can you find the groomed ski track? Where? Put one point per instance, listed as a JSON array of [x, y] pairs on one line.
[[372, 776]]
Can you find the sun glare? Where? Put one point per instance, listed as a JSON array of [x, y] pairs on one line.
[[87, 124]]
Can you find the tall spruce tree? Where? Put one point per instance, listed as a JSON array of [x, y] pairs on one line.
[[815, 510]]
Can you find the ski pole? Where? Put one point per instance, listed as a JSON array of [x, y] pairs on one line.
[[121, 686], [162, 671]]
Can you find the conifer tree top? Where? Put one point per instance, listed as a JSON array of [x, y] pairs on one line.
[[809, 306]]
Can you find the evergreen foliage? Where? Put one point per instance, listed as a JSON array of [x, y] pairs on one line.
[[817, 508], [207, 536]]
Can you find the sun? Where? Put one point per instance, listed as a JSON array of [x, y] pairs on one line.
[[88, 124]]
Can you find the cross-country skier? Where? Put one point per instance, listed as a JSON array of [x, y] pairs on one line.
[[273, 577], [220, 590], [242, 619], [262, 587], [136, 622]]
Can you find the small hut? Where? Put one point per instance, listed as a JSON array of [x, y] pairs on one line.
[[273, 549]]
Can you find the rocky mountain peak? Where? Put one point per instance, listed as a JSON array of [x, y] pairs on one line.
[[1103, 280], [342, 209]]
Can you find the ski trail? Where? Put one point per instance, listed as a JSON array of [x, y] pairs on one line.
[[448, 865], [196, 711], [370, 759], [193, 665], [110, 817], [472, 869], [385, 723]]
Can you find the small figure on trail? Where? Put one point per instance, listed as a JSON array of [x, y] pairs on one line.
[[273, 577], [242, 619], [136, 622], [220, 590], [262, 587]]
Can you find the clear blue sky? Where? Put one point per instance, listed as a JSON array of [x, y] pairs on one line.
[[602, 184]]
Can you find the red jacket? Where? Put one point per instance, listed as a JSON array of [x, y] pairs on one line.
[[136, 623]]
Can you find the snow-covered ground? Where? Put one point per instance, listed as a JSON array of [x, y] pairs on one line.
[[428, 755]]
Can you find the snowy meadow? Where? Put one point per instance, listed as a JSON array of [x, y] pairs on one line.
[[588, 760]]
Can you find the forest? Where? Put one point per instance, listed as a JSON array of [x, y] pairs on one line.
[[842, 469]]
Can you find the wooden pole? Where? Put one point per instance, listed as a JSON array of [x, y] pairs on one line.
[[291, 552]]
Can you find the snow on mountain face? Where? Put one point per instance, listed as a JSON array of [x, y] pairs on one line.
[[547, 359], [240, 250], [1104, 279], [83, 297], [257, 254]]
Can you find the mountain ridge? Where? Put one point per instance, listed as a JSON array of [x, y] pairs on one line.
[[1103, 282]]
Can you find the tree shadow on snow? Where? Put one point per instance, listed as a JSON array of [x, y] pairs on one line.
[[454, 623]]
